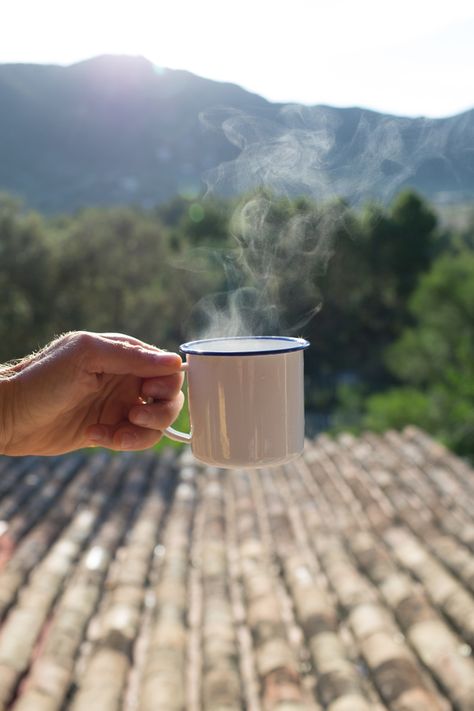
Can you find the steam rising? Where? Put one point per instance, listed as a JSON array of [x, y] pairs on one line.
[[323, 153], [272, 272]]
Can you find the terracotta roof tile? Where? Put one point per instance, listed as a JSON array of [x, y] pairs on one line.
[[343, 581]]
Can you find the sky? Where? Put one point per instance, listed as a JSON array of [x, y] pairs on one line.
[[410, 57]]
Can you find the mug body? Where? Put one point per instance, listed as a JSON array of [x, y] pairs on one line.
[[246, 406]]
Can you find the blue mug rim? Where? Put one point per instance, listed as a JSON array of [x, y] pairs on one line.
[[289, 345]]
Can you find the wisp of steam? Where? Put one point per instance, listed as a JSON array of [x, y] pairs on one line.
[[324, 153], [273, 271]]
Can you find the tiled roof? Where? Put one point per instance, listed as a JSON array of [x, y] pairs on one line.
[[344, 581]]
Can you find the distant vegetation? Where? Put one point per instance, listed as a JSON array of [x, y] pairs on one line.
[[393, 343]]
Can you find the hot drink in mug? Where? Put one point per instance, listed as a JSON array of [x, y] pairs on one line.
[[246, 400]]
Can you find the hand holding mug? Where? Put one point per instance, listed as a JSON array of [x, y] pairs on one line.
[[88, 389], [246, 397]]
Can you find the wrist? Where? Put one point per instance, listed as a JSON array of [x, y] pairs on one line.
[[7, 385]]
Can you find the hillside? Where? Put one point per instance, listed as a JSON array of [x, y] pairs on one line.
[[116, 129]]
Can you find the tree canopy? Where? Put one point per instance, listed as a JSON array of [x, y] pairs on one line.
[[435, 358], [384, 294]]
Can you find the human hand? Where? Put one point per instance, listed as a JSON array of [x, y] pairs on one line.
[[87, 389]]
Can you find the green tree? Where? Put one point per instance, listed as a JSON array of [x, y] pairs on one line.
[[118, 271], [108, 267], [435, 358], [26, 277], [379, 254]]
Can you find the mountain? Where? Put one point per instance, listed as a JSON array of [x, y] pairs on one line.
[[116, 129]]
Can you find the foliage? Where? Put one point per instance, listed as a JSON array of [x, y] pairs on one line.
[[102, 270], [392, 344], [436, 358], [26, 278], [398, 407], [379, 255]]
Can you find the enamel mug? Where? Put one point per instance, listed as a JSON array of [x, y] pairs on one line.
[[246, 400]]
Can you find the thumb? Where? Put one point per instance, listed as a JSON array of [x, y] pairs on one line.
[[124, 358]]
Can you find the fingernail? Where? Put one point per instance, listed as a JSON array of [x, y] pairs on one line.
[[127, 440], [96, 437]]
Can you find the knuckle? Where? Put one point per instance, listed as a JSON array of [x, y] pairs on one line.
[[82, 347], [85, 341], [80, 341]]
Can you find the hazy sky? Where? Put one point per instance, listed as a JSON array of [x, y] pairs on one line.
[[411, 57]]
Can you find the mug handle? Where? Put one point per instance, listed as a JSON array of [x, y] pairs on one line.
[[176, 434]]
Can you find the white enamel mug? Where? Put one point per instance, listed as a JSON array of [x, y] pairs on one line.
[[246, 400]]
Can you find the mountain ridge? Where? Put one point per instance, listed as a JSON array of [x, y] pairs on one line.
[[116, 129]]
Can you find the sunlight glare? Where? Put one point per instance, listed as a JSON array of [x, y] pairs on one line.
[[286, 51]]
